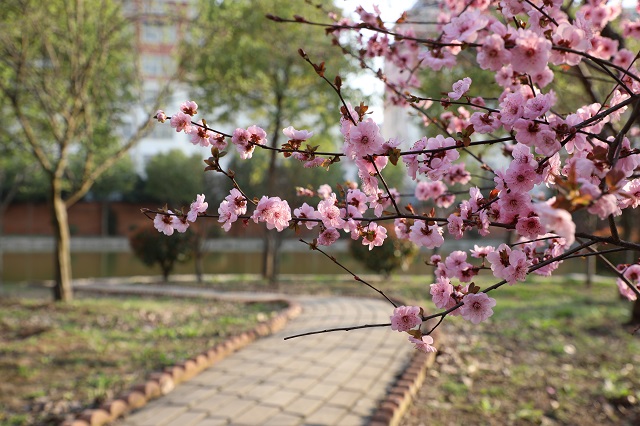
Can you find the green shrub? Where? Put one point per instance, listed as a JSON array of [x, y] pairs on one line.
[[153, 247], [393, 254]]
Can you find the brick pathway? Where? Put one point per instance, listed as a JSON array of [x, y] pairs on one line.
[[327, 379]]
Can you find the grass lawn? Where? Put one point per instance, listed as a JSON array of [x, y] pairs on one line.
[[553, 353], [61, 358]]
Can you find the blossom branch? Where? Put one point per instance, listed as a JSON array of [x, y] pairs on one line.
[[330, 330], [313, 246]]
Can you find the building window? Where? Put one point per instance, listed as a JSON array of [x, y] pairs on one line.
[[157, 65]]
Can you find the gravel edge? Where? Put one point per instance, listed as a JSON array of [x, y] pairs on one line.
[[160, 383]]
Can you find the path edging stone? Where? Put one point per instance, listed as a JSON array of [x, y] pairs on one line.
[[399, 398], [160, 383]]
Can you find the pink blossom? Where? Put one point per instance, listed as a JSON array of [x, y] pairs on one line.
[[423, 344], [237, 202], [604, 206], [625, 291], [328, 236], [456, 262], [329, 213], [514, 204], [457, 174], [460, 87], [240, 139], [324, 191], [512, 108], [556, 220], [374, 235], [364, 139], [297, 135], [493, 55], [566, 35], [521, 179], [181, 122], [445, 200], [180, 224], [632, 275], [429, 236], [510, 265], [226, 215], [257, 135], [477, 307], [518, 267], [357, 199], [484, 122], [441, 293], [306, 212], [428, 190], [274, 211], [530, 227], [438, 163], [465, 27], [160, 116], [197, 207], [200, 135], [189, 108], [631, 193], [547, 143], [437, 58], [480, 252], [165, 222], [369, 183], [401, 228], [539, 105], [542, 78], [404, 318], [631, 29], [603, 47], [455, 225], [531, 52]]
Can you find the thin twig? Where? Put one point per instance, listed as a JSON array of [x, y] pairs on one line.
[[357, 278]]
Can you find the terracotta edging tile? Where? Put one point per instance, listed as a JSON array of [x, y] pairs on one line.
[[160, 383], [400, 395]]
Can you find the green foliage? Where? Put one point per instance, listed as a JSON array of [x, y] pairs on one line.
[[393, 254], [20, 178], [238, 66], [174, 178], [246, 70], [119, 180], [68, 78], [153, 247]]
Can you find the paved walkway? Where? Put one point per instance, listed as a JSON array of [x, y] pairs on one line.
[[334, 378]]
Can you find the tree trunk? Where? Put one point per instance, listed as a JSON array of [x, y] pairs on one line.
[[270, 243], [200, 238], [635, 313], [62, 291]]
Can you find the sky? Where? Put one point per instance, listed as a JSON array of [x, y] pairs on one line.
[[390, 10]]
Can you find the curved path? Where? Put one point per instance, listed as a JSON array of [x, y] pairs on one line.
[[334, 378]]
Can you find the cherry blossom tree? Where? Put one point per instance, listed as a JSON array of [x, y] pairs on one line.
[[557, 160]]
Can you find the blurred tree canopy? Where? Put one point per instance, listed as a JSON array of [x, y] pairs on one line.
[[174, 178], [67, 83]]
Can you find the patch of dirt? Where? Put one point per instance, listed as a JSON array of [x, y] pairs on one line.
[[496, 374]]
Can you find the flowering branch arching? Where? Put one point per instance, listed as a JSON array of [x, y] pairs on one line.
[[559, 162]]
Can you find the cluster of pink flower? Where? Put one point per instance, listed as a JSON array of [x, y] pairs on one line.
[[167, 221], [589, 162]]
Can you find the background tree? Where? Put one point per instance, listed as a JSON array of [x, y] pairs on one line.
[[175, 178], [66, 83], [154, 248], [113, 185], [264, 77]]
